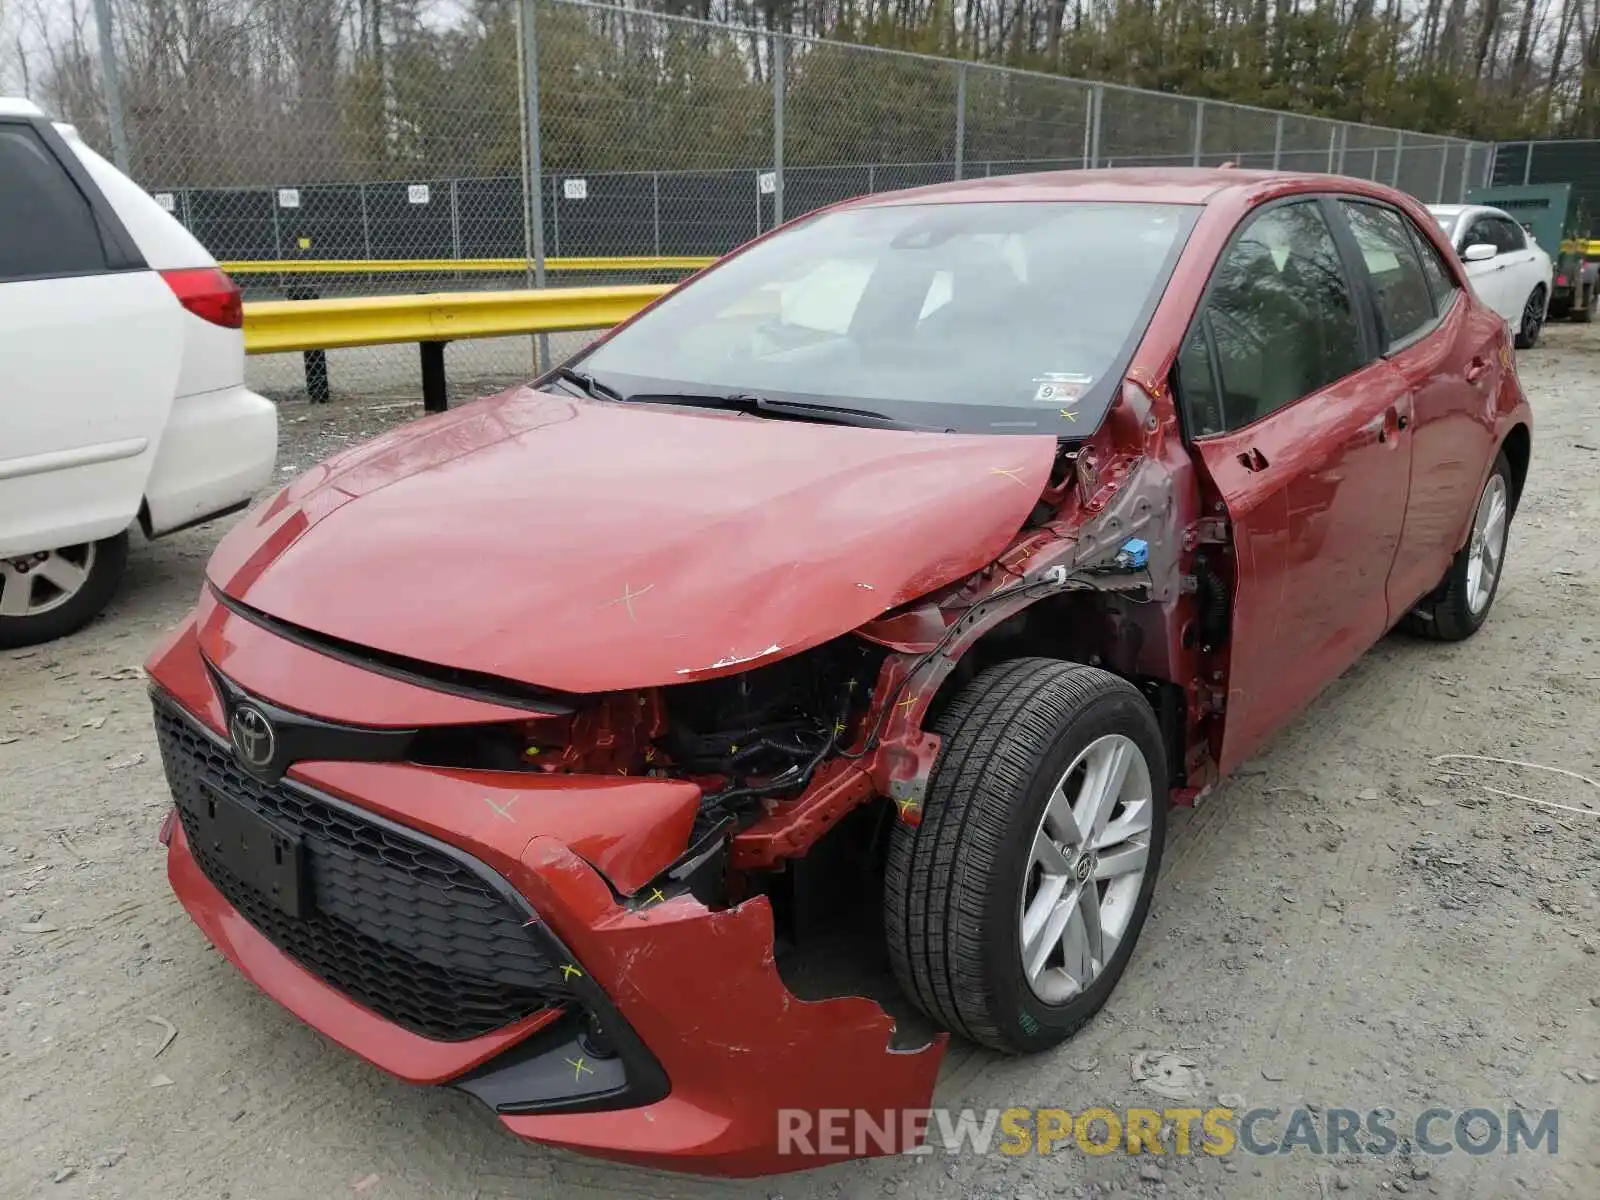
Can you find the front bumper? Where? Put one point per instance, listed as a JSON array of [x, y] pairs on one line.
[[708, 1044]]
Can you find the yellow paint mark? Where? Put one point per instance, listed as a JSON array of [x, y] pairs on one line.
[[1070, 414], [568, 971], [905, 806], [908, 702], [650, 754], [531, 752], [1014, 474], [579, 1067], [656, 896], [305, 243], [838, 727]]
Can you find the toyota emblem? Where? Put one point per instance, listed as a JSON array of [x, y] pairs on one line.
[[253, 738]]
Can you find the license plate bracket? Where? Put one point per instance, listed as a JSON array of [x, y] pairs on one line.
[[257, 852]]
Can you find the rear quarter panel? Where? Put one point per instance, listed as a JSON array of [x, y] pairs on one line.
[[213, 357]]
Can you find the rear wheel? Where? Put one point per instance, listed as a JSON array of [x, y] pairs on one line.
[[1013, 908], [54, 592], [1461, 604], [1532, 319]]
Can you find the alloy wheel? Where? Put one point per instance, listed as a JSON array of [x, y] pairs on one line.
[[1532, 318], [1487, 549], [1087, 864], [31, 584]]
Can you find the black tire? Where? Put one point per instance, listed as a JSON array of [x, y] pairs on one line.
[[1445, 614], [954, 885], [1527, 335], [78, 609]]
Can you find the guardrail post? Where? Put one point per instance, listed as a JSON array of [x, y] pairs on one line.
[[1399, 149], [1277, 143], [1199, 130], [316, 361], [1444, 168], [1466, 171], [1333, 142], [366, 226], [961, 116], [779, 53], [435, 398], [1527, 166]]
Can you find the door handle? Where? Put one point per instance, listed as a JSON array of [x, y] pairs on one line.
[[1476, 368]]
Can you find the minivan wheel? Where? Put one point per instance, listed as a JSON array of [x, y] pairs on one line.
[[51, 593], [1012, 909], [1460, 605]]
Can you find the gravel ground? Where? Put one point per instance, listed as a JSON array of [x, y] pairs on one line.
[[1348, 922]]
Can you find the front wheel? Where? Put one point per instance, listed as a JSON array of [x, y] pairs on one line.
[[55, 592], [1532, 320], [1013, 908]]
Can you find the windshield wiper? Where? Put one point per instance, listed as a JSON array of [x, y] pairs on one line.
[[765, 406], [587, 384]]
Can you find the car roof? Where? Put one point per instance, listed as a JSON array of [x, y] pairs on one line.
[[1155, 185], [15, 106]]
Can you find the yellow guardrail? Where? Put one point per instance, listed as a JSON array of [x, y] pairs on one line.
[[442, 266], [276, 326]]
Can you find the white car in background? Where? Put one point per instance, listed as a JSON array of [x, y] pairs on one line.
[[1508, 269], [122, 394]]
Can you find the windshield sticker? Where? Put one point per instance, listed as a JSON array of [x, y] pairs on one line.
[[1060, 387]]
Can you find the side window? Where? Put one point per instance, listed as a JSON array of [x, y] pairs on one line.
[[1198, 384], [1481, 230], [1441, 283], [46, 225], [1508, 236], [1280, 320], [1399, 288]]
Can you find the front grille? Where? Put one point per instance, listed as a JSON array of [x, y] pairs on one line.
[[401, 927]]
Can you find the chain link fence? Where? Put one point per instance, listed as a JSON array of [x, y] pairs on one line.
[[492, 149]]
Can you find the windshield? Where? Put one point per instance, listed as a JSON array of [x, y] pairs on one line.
[[980, 317]]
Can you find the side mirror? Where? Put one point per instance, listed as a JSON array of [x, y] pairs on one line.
[[1479, 252]]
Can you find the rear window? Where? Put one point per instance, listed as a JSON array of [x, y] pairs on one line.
[[978, 316], [1399, 285], [46, 225]]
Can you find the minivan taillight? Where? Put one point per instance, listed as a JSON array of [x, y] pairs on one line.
[[209, 294]]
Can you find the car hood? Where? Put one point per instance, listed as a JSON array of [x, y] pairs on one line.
[[591, 546]]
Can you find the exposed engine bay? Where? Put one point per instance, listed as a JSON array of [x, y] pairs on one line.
[[765, 732]]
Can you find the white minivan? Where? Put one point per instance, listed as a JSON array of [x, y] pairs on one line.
[[122, 394]]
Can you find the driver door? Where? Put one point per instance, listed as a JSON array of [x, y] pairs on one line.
[[1298, 424]]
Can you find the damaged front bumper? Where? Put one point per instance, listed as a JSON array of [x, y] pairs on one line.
[[643, 1026]]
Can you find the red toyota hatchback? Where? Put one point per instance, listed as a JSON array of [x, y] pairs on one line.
[[900, 569]]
